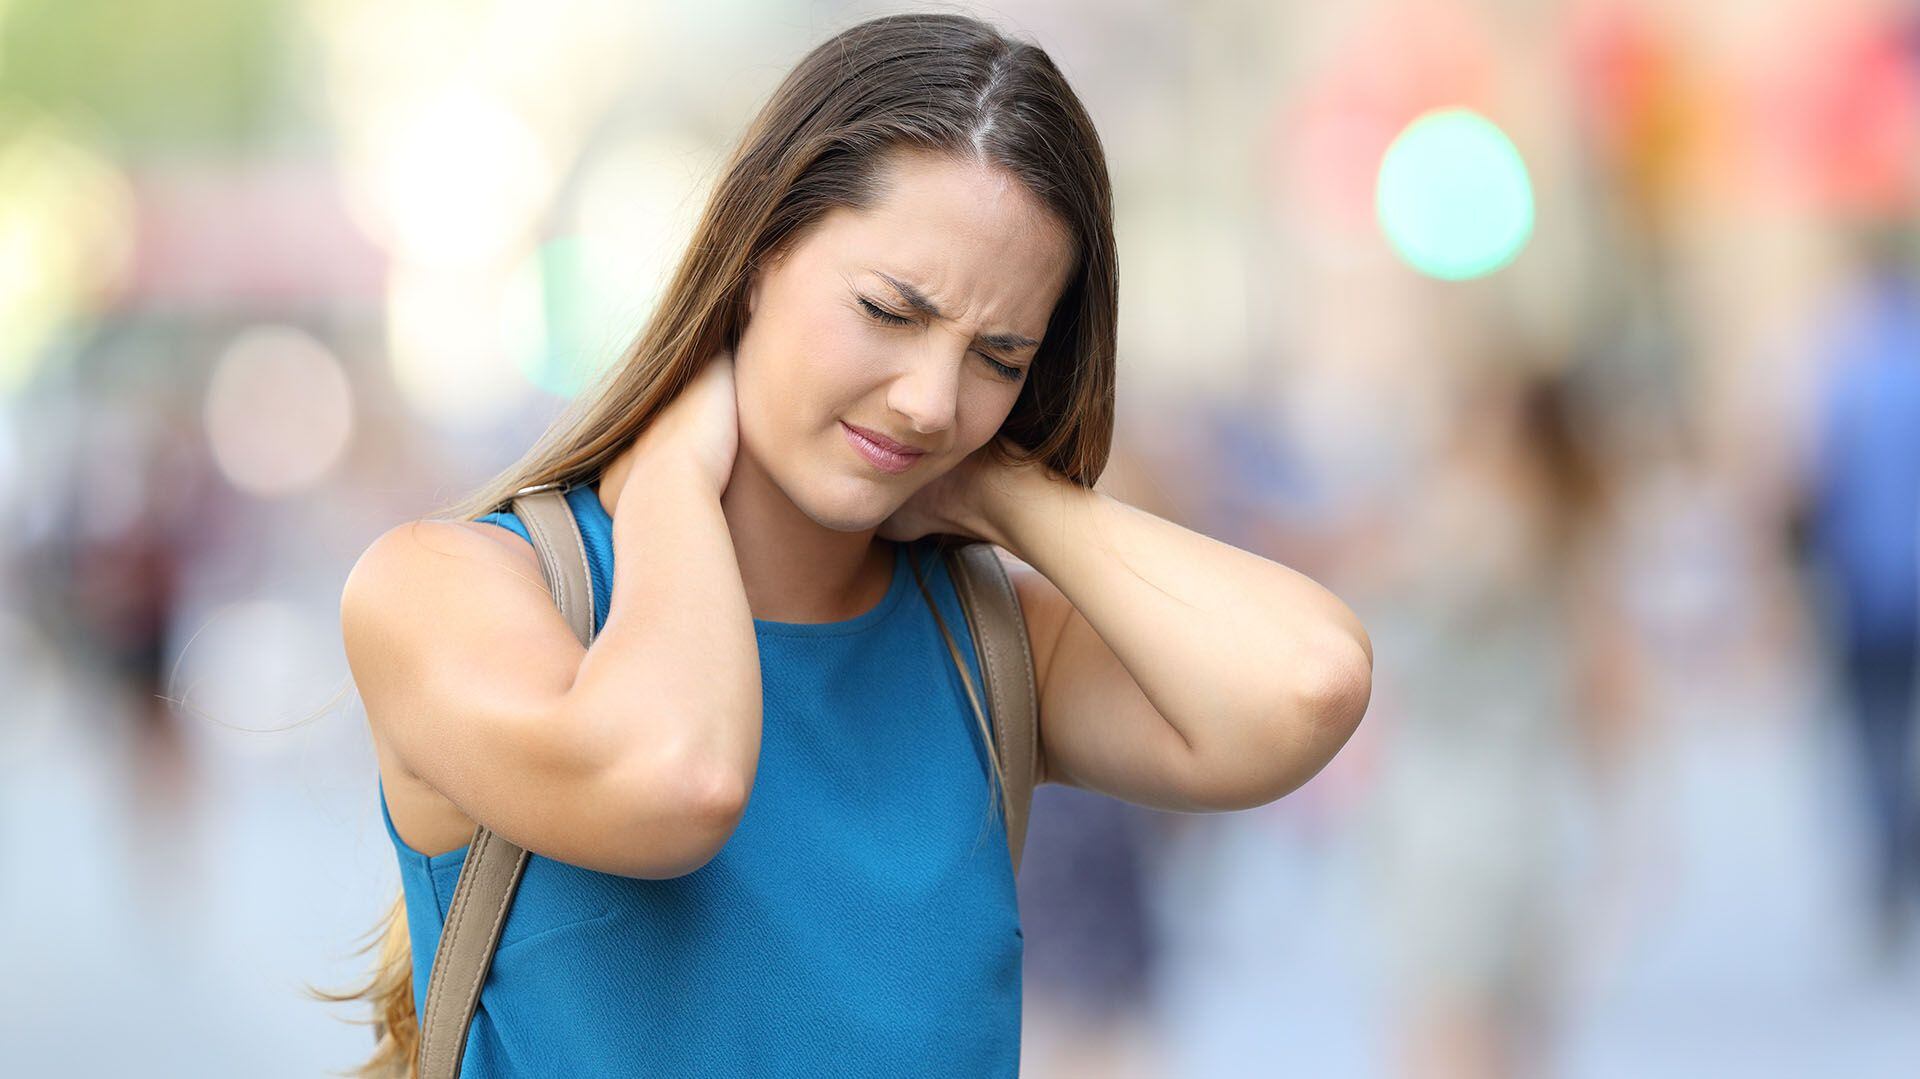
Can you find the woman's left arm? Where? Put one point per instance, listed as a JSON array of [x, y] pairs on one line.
[[1176, 671]]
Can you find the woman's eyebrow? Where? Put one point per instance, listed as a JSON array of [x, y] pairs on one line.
[[919, 302]]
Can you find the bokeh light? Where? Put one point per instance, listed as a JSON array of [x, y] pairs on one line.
[[564, 353], [599, 281], [66, 224], [278, 410], [457, 178], [1454, 198], [456, 338]]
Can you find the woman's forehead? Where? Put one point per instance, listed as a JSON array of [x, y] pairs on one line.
[[952, 259]]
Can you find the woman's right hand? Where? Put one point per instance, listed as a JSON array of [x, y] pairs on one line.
[[701, 426]]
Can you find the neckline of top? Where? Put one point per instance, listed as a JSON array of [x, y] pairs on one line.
[[589, 501]]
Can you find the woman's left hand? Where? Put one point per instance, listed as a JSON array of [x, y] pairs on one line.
[[955, 502]]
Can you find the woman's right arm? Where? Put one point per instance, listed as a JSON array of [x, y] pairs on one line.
[[634, 756]]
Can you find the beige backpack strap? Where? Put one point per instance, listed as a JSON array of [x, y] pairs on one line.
[[491, 873], [1006, 659]]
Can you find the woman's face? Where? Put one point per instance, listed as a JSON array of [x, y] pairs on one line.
[[833, 337]]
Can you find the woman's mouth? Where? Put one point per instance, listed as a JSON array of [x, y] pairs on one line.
[[878, 456]]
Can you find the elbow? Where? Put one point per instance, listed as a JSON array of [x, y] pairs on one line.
[[685, 841], [1318, 715], [706, 791], [680, 815], [703, 834], [1338, 689], [708, 811]]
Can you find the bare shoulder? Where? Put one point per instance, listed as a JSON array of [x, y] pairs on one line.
[[427, 552], [423, 579]]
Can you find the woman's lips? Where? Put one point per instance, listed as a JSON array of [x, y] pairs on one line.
[[879, 457]]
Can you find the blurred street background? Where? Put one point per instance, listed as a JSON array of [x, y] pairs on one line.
[[1575, 345]]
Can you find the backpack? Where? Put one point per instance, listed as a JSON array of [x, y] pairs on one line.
[[491, 873]]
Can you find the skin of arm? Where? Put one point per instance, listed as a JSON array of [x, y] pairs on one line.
[[1176, 671], [683, 636]]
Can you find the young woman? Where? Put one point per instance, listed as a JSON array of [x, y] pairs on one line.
[[759, 805]]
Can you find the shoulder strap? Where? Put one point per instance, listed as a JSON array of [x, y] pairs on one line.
[[1006, 659], [491, 873]]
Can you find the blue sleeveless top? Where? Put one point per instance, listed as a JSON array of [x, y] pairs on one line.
[[861, 920]]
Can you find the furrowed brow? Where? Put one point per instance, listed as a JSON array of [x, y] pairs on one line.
[[1010, 342]]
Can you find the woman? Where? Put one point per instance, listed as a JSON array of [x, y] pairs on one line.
[[755, 802]]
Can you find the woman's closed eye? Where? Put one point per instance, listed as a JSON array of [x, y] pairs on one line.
[[880, 314]]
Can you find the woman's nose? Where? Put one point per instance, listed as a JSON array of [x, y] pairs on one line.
[[927, 393]]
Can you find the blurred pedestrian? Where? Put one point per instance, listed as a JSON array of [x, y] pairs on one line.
[[1863, 523], [1494, 584]]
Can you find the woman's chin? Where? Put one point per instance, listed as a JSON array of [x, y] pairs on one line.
[[845, 509]]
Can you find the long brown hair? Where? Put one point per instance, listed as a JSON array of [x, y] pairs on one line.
[[938, 82]]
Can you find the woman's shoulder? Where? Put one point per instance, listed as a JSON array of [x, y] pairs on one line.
[[429, 549]]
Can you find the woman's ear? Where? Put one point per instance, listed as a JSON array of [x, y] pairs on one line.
[[757, 274]]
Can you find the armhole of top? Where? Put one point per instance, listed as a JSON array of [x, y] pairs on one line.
[[507, 520]]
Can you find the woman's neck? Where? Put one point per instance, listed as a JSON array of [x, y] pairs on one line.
[[792, 568]]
